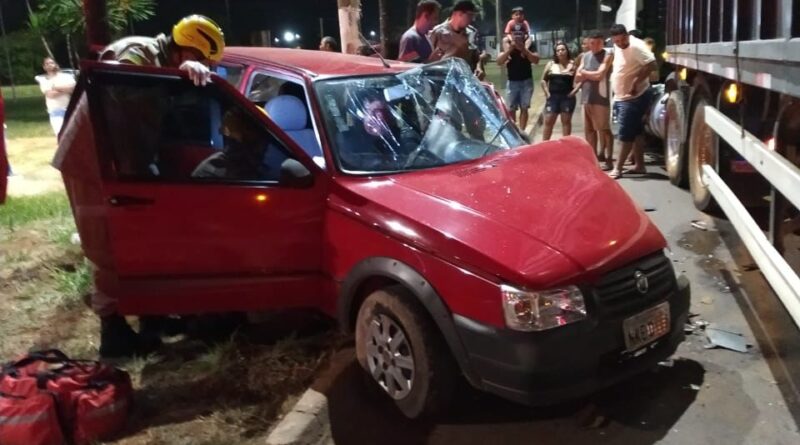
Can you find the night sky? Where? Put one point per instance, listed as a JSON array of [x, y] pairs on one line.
[[302, 16]]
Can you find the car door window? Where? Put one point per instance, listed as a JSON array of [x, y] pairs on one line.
[[163, 128], [287, 104], [232, 73]]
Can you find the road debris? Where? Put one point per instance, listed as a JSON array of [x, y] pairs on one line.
[[700, 225], [693, 326], [725, 339], [589, 417], [707, 300]]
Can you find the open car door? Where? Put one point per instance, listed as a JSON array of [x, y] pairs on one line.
[[189, 199]]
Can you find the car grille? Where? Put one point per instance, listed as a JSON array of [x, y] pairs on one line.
[[617, 295]]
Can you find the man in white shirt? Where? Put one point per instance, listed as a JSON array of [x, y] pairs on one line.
[[632, 66], [57, 88]]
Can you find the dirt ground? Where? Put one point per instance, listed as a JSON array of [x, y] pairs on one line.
[[30, 160], [225, 383]]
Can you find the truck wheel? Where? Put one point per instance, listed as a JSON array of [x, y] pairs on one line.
[[702, 151], [786, 228], [675, 143], [404, 354]]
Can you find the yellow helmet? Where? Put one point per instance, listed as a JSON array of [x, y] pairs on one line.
[[201, 33]]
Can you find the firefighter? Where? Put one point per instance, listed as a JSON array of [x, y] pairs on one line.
[[196, 41]]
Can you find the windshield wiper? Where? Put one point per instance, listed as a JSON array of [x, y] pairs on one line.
[[500, 130]]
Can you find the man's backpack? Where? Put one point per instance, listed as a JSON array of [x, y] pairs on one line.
[[46, 398]]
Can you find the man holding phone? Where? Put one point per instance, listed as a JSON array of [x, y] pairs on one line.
[[517, 56]]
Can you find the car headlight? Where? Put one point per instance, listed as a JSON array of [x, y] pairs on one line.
[[541, 310]]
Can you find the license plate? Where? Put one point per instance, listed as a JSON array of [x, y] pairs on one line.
[[646, 326]]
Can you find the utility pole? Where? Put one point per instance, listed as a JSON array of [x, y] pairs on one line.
[[97, 34], [498, 9], [599, 19], [383, 21], [349, 21], [578, 23]]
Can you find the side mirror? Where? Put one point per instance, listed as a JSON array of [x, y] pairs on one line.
[[295, 175]]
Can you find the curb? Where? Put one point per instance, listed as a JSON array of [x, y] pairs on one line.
[[306, 424]]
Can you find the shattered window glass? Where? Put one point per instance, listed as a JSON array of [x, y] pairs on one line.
[[426, 117]]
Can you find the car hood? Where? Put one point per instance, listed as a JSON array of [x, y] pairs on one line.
[[539, 214]]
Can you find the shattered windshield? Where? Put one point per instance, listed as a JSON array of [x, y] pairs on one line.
[[426, 117]]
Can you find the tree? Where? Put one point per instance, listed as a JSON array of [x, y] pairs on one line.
[[124, 13], [65, 18], [34, 23]]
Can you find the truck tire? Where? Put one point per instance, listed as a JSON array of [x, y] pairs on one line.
[[702, 151], [786, 228], [675, 158], [403, 353]]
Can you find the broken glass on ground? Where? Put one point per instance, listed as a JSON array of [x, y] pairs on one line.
[[725, 339]]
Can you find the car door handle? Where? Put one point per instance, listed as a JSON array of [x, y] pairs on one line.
[[124, 200]]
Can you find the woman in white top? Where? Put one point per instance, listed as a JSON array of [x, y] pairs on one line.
[[57, 88]]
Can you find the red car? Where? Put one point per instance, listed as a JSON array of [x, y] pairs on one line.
[[399, 200]]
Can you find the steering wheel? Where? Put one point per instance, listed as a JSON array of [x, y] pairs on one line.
[[421, 152]]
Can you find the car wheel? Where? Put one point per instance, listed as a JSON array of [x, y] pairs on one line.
[[403, 353]]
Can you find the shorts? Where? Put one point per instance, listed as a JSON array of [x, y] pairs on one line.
[[560, 103], [596, 117], [630, 115], [519, 94]]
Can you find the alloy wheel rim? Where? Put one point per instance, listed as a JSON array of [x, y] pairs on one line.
[[389, 357], [674, 135], [706, 152]]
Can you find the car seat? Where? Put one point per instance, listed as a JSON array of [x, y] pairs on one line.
[[289, 113]]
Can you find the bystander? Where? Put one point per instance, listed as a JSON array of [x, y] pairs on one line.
[[455, 38], [517, 57], [414, 44], [57, 88], [593, 76], [558, 79], [632, 65], [328, 44]]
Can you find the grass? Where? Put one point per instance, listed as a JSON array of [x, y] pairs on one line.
[[21, 210], [26, 116], [193, 392], [73, 282]]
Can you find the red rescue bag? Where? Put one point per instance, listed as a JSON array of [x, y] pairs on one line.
[[73, 401]]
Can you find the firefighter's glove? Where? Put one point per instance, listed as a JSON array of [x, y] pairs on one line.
[[199, 73]]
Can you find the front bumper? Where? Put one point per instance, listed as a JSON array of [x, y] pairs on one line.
[[543, 368]]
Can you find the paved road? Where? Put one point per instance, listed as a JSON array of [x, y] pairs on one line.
[[706, 396]]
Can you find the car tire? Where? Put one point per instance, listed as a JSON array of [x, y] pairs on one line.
[[403, 353]]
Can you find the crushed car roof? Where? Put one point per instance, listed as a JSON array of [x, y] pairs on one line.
[[315, 63]]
